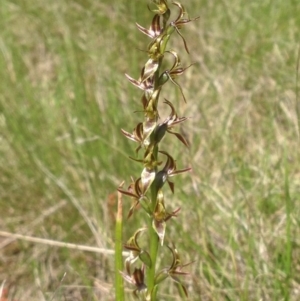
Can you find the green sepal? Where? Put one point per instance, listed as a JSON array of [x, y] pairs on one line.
[[145, 258], [164, 77], [160, 132], [161, 276]]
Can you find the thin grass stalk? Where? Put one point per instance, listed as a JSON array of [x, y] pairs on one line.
[[119, 283]]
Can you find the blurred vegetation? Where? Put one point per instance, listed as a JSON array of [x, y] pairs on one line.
[[63, 101]]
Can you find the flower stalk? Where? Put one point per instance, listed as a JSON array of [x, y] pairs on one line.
[[147, 191]]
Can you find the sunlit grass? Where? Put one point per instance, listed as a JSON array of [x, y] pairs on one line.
[[63, 99]]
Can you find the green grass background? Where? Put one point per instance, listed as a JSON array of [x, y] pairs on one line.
[[64, 99]]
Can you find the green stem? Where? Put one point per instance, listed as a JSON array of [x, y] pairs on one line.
[[153, 253], [154, 240], [288, 247]]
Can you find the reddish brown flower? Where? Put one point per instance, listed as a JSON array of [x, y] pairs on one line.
[[136, 252], [168, 171], [168, 124], [180, 21], [137, 279], [161, 216], [174, 271], [173, 72], [155, 29], [135, 192]]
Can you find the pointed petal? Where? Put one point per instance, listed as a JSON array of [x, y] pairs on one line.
[[176, 84], [176, 59], [136, 203], [176, 172], [184, 42], [126, 277], [173, 214], [134, 82], [145, 31], [129, 136], [181, 11], [161, 276], [127, 193], [180, 137], [171, 185]]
